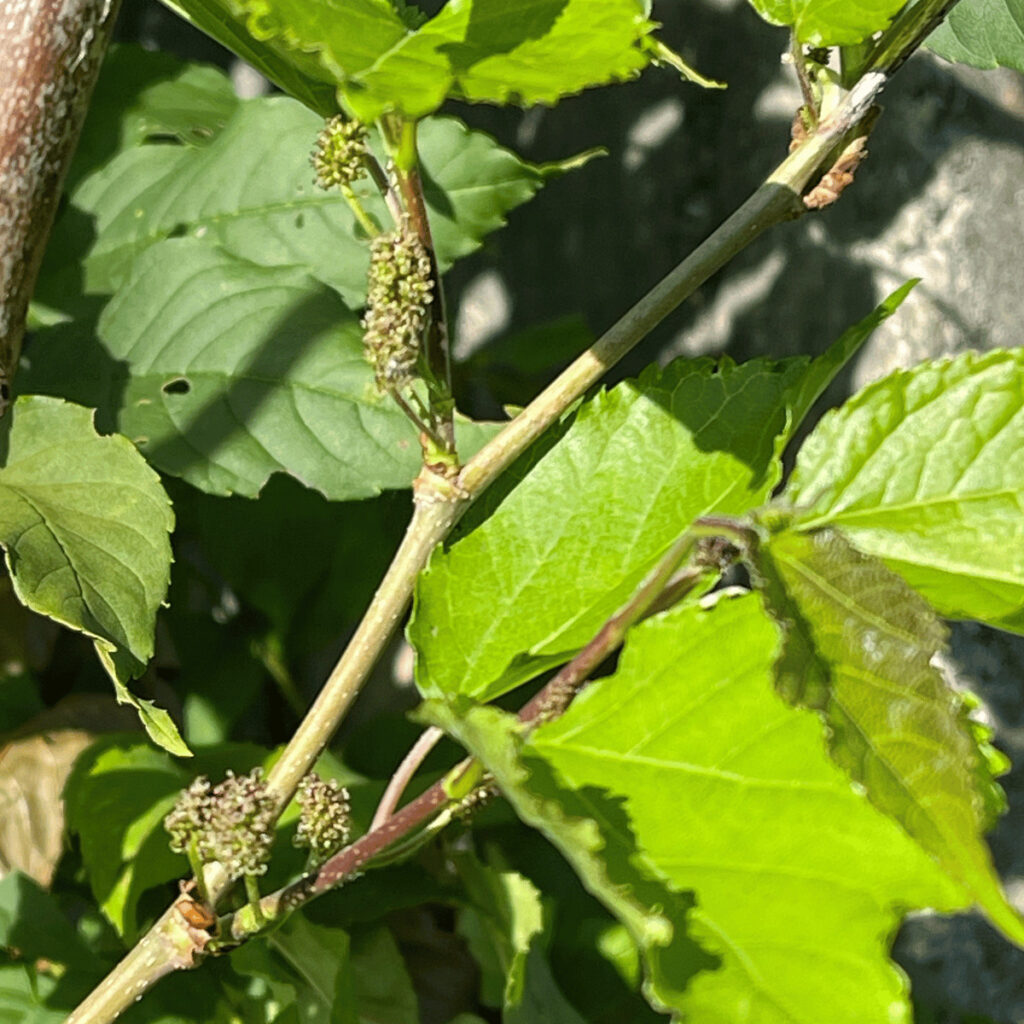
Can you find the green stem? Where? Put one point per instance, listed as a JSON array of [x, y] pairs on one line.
[[910, 28], [365, 221], [430, 524], [777, 200], [252, 897]]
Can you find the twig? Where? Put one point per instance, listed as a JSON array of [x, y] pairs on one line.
[[776, 201], [431, 523], [428, 739]]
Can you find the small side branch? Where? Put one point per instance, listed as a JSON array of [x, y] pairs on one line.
[[406, 770]]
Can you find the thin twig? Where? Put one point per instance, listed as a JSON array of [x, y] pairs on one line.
[[776, 201], [428, 739]]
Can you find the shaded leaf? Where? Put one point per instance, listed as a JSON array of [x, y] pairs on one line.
[[84, 524], [507, 925], [323, 973], [983, 33], [33, 771], [858, 647], [250, 190], [684, 772], [925, 469], [117, 797], [825, 23], [147, 96], [224, 372]]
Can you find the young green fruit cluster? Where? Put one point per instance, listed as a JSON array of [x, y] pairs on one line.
[[339, 153], [398, 300], [324, 824], [232, 823]]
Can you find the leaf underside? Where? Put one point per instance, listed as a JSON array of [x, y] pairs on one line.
[[982, 33], [858, 647]]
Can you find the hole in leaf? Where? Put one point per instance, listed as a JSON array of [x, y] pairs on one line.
[[178, 231], [177, 386]]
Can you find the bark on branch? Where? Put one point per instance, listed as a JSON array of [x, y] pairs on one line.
[[50, 53]]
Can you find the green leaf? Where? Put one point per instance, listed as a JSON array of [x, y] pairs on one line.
[[636, 468], [325, 974], [858, 647], [224, 372], [507, 925], [32, 923], [299, 74], [381, 985], [824, 368], [250, 191], [925, 469], [84, 523], [684, 772], [501, 51], [147, 96], [825, 23], [116, 800], [983, 33], [23, 995]]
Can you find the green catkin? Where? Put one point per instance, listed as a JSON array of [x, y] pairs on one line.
[[324, 824], [399, 294], [339, 153], [232, 823]]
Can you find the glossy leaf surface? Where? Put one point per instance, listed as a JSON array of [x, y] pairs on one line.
[[683, 780], [825, 23], [570, 543], [925, 469], [523, 51]]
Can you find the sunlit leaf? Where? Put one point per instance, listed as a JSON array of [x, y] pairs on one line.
[[825, 23], [859, 646], [84, 523], [758, 882], [925, 469]]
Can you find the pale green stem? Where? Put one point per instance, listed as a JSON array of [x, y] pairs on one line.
[[777, 200], [365, 221]]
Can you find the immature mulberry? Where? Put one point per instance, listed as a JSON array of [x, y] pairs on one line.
[[324, 824], [338, 156], [399, 295], [240, 825], [190, 815]]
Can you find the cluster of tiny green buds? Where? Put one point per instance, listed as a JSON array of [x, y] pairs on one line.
[[339, 153], [187, 819], [232, 822], [398, 300], [324, 824]]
